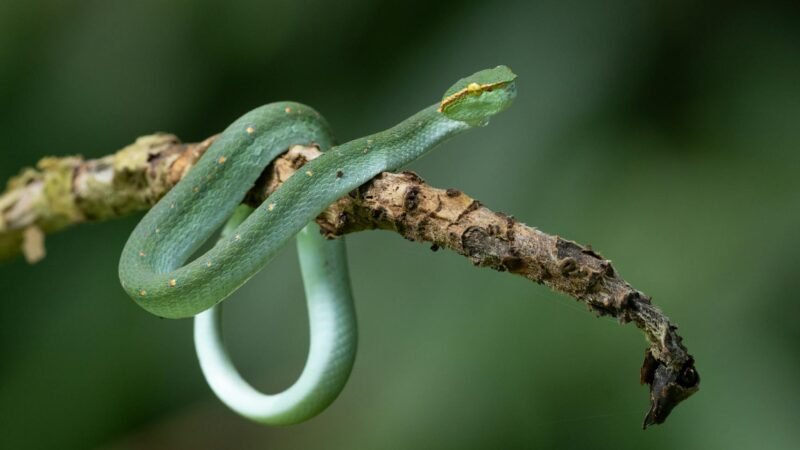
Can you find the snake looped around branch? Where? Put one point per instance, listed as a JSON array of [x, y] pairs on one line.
[[154, 270]]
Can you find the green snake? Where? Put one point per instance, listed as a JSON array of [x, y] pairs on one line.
[[154, 271]]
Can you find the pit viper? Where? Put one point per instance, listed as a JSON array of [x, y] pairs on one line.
[[155, 267]]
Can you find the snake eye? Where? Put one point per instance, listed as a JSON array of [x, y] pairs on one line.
[[688, 377]]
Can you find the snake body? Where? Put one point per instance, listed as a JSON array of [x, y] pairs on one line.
[[154, 270]]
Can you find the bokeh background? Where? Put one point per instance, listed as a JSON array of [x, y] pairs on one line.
[[664, 134]]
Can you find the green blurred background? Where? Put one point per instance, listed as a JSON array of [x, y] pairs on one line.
[[665, 134]]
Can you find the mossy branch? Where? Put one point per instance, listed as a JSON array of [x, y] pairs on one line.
[[66, 191]]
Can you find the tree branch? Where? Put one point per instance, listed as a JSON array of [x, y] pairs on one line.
[[65, 191]]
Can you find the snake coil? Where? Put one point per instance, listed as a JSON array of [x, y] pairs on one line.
[[154, 270]]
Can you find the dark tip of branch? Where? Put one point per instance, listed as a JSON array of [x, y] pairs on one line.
[[669, 385]]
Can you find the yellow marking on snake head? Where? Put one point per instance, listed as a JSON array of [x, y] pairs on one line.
[[222, 160], [142, 293], [271, 206], [471, 89], [250, 130], [309, 173], [288, 110], [237, 237], [208, 263], [141, 253], [172, 282]]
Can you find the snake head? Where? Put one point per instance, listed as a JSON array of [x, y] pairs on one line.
[[476, 98], [668, 386]]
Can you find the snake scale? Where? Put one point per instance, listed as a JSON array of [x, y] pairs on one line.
[[155, 270]]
